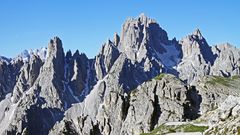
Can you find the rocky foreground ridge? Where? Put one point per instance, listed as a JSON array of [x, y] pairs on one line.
[[136, 83]]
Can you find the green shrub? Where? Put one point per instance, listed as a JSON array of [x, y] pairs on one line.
[[160, 76]]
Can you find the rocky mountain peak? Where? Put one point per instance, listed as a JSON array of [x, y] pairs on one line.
[[194, 44], [145, 20], [55, 57], [197, 54], [26, 55], [76, 53], [55, 47], [226, 46], [141, 34], [116, 39], [105, 59], [197, 33]]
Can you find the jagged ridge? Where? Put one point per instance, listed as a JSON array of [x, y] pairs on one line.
[[112, 93]]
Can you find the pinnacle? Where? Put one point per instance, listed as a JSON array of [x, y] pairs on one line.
[[144, 19], [198, 33], [142, 15]]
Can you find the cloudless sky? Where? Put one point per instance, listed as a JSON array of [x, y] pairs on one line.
[[87, 24]]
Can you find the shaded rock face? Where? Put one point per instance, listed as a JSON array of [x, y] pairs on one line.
[[55, 58], [5, 83], [79, 74], [8, 75], [80, 70]]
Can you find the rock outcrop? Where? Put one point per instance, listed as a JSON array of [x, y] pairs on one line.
[[141, 35], [9, 72], [227, 62], [27, 77], [197, 57], [106, 58], [114, 112], [38, 98], [214, 90], [225, 119]]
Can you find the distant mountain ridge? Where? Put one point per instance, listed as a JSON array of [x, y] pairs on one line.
[[136, 82]]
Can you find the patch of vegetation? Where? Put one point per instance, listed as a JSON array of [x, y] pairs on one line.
[[165, 129], [160, 76], [220, 80], [235, 77], [238, 130], [193, 128]]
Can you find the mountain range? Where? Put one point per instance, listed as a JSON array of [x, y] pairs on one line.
[[139, 82]]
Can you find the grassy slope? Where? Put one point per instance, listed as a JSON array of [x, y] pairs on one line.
[[164, 129]]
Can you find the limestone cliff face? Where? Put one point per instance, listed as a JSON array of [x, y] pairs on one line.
[[38, 98], [106, 58], [141, 35], [227, 61], [197, 57], [28, 75], [115, 112], [9, 72], [225, 118]]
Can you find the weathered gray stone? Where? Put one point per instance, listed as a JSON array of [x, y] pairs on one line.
[[197, 58], [227, 62], [226, 120], [214, 90], [27, 77], [105, 59], [141, 35]]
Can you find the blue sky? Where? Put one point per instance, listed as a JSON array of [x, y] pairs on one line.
[[86, 25]]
